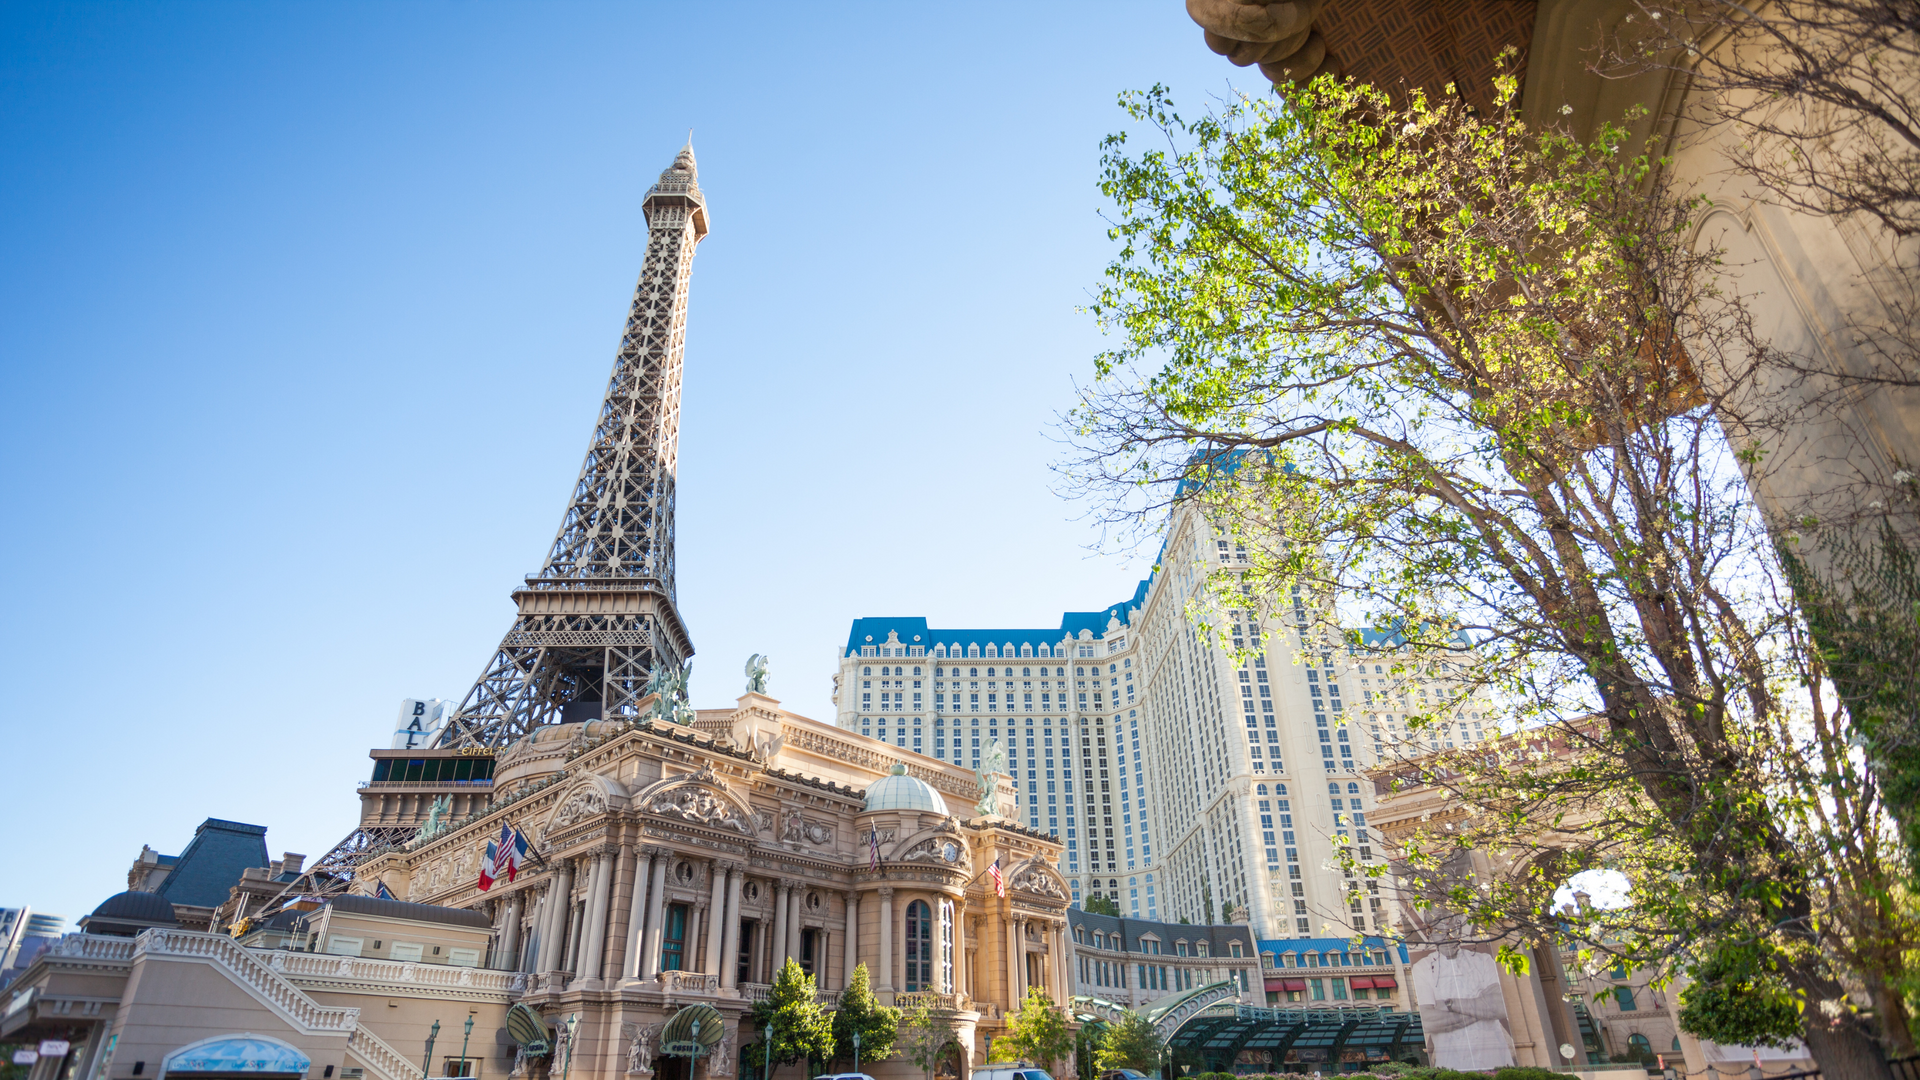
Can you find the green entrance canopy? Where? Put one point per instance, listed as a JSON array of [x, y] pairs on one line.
[[678, 1036]]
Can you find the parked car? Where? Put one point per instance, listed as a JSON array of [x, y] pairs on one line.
[[1123, 1074], [1010, 1070], [844, 1076]]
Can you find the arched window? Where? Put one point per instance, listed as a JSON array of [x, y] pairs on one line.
[[1353, 789], [919, 946], [1333, 789], [1641, 1046]]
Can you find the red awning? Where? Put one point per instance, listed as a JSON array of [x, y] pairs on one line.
[[1384, 982], [1361, 982], [1293, 984], [1276, 984]]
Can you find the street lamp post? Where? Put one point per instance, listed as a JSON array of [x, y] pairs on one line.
[[856, 1051], [426, 1062], [693, 1070], [463, 1046]]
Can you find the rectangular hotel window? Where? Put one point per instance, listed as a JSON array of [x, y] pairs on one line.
[[673, 948]]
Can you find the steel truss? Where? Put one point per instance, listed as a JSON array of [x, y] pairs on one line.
[[599, 616]]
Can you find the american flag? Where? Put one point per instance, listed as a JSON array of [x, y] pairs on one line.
[[999, 882], [873, 849]]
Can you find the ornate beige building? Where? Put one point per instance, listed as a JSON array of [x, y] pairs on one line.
[[684, 865]]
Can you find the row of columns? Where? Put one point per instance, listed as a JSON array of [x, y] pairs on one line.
[[570, 936], [565, 938]]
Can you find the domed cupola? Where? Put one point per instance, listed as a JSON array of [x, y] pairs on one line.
[[126, 914], [898, 791]]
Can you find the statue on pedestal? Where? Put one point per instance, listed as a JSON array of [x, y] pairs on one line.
[[757, 674], [992, 762]]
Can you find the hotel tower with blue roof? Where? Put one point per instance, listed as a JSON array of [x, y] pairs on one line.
[[1182, 784]]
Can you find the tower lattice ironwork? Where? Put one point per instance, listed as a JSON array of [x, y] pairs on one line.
[[599, 616]]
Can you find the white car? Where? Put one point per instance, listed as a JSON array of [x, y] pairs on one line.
[[844, 1076]]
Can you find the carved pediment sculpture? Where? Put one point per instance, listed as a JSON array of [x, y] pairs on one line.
[[1039, 881], [583, 803], [701, 807]]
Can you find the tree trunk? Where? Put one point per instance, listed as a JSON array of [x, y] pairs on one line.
[[1845, 1051]]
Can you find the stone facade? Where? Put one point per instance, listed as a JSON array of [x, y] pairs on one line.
[[683, 865]]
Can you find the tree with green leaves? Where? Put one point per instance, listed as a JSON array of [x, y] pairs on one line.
[[1471, 384], [859, 1011], [791, 1022], [1038, 1032], [1131, 1043], [1096, 904], [927, 1034], [1087, 1043]]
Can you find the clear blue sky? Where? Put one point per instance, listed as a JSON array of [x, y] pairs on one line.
[[306, 310]]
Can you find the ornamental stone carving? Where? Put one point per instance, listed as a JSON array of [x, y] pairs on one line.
[[800, 830], [1039, 881], [701, 807], [585, 802]]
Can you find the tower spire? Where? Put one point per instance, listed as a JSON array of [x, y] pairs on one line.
[[599, 616]]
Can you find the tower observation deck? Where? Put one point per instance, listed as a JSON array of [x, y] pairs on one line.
[[599, 616]]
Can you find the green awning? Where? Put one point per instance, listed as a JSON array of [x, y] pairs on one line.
[[678, 1036]]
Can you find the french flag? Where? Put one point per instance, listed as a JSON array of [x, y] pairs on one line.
[[487, 868]]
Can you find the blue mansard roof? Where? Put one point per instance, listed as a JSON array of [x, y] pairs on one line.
[[911, 630], [205, 873]]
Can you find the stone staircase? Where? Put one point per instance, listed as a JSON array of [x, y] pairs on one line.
[[286, 1000]]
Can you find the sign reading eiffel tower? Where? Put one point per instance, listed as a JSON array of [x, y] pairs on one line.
[[599, 617]]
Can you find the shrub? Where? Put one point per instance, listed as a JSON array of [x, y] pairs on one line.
[[1530, 1072]]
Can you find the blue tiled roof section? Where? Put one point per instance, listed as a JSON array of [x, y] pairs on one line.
[[1378, 638], [1329, 944], [205, 874], [911, 631]]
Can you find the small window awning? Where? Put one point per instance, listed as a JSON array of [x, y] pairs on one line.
[[1276, 984], [1361, 982], [1384, 982], [1293, 984]]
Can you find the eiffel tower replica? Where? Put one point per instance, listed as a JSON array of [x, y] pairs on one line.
[[599, 618]]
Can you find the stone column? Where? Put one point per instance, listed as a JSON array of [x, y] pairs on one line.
[[886, 939], [777, 944], [1057, 960], [795, 894], [623, 887], [509, 933], [852, 902], [599, 885], [1016, 962], [656, 915], [716, 916], [637, 915], [730, 930], [553, 935]]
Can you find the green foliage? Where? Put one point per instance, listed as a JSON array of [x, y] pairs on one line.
[[1101, 905], [1530, 1072], [1445, 370], [860, 1011], [792, 1020], [1864, 617], [926, 1035], [1037, 1032], [1131, 1044], [1738, 996], [1087, 1045]]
